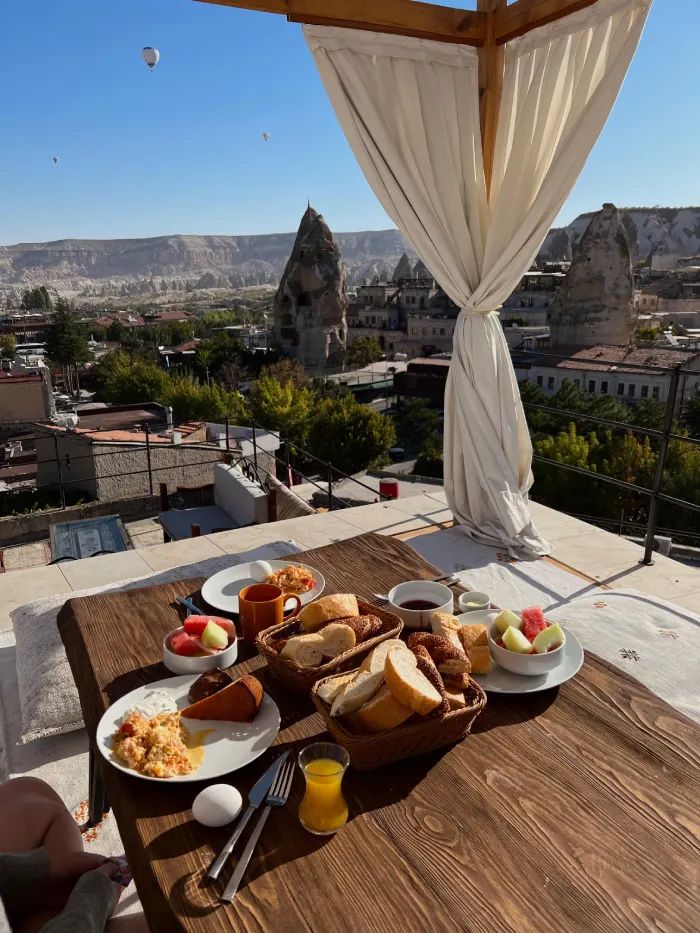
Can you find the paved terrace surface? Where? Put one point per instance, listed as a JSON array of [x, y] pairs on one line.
[[580, 546]]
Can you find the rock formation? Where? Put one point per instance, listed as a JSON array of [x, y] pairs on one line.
[[311, 301], [420, 271], [403, 270], [595, 303]]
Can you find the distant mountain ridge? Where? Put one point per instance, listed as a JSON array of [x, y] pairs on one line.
[[79, 265], [652, 231], [240, 260]]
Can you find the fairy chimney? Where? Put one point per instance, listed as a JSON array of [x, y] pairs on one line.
[[595, 303], [311, 302], [403, 269]]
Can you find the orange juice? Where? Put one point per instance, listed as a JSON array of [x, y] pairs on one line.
[[323, 809]]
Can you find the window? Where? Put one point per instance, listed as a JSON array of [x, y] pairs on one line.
[[442, 331], [577, 383], [654, 391], [550, 382], [645, 391], [422, 302], [540, 380], [366, 318], [435, 331], [631, 390], [425, 331], [414, 331], [391, 346], [591, 385], [374, 318], [621, 388], [603, 388]]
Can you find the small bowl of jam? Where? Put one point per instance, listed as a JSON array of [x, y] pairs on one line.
[[415, 602]]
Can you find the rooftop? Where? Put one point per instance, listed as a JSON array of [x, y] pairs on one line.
[[586, 358]]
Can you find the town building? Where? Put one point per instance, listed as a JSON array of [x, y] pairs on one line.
[[26, 396]]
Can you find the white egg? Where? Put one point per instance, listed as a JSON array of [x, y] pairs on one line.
[[217, 805], [260, 570]]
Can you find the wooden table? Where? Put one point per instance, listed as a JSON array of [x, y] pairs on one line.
[[570, 810]]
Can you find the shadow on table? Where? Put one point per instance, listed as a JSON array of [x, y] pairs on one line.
[[501, 712]]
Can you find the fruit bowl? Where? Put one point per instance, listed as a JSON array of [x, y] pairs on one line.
[[529, 665], [197, 664]]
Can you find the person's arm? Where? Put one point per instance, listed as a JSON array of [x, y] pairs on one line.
[[22, 875], [89, 906]]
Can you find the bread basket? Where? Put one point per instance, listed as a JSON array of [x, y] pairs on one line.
[[302, 679], [414, 737]]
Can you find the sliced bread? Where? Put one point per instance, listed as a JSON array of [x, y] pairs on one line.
[[408, 685], [426, 666], [330, 689], [383, 712], [480, 659], [304, 650], [327, 609], [456, 699], [375, 660], [337, 638], [360, 689], [473, 636], [447, 626]]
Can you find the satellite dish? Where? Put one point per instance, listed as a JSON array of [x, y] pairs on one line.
[[150, 56], [266, 136]]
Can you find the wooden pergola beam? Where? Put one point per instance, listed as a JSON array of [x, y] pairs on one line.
[[524, 15], [403, 17], [491, 65]]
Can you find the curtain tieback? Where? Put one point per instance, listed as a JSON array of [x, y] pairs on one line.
[[479, 311]]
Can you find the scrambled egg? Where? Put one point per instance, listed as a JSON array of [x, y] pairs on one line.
[[154, 747]]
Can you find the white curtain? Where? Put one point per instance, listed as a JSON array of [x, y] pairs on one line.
[[410, 111]]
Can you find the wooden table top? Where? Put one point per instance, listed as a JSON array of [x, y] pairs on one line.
[[575, 809]]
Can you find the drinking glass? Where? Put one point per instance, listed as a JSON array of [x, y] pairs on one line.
[[323, 810]]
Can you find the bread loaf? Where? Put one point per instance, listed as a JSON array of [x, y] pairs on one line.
[[447, 626], [330, 688], [239, 702], [383, 712], [375, 660], [456, 681], [408, 685], [480, 659], [328, 609], [364, 627], [360, 689], [473, 636], [456, 699], [304, 650], [448, 658], [426, 666], [336, 638]]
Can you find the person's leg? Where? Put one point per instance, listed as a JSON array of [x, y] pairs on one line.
[[33, 815]]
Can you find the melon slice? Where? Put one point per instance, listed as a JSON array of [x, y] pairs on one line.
[[551, 637], [514, 640], [507, 618]]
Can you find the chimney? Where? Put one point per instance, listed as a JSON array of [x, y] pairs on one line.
[[169, 415]]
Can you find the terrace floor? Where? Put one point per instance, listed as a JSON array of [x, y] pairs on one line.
[[580, 547]]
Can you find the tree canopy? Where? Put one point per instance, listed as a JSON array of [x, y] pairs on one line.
[[349, 435], [364, 350]]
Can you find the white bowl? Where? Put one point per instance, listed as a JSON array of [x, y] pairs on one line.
[[482, 600], [180, 664], [420, 589], [529, 665]]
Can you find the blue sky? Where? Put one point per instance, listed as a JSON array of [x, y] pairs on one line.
[[181, 150]]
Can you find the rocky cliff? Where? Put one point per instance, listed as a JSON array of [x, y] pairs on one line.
[[236, 261], [594, 305], [653, 232]]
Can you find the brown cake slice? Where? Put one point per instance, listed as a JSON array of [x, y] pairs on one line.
[[238, 702]]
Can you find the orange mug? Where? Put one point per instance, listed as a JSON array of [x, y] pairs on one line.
[[261, 605]]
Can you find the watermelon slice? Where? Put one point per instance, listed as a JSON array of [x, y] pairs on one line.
[[181, 643], [195, 625], [533, 622]]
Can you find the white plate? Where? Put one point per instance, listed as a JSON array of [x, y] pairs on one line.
[[502, 681], [221, 591], [230, 746]]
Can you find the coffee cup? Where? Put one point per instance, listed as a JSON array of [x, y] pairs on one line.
[[261, 606]]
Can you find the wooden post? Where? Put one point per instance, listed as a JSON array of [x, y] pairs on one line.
[[491, 65]]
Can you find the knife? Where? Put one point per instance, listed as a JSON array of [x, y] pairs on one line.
[[255, 798]]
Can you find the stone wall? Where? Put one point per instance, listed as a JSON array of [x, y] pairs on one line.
[[122, 469]]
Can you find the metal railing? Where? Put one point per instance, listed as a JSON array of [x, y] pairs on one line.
[[664, 436]]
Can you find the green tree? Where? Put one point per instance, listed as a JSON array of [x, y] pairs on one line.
[[282, 408], [650, 413], [128, 380], [415, 422], [192, 401], [7, 345], [37, 299], [691, 414], [351, 436], [429, 462], [66, 344], [287, 371], [364, 350], [647, 334]]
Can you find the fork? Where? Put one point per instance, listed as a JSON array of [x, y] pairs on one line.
[[277, 797], [448, 579]]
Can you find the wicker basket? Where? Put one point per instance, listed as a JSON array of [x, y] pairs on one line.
[[302, 679], [415, 737]]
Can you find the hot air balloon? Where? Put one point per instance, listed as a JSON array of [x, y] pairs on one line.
[[55, 160], [150, 56], [266, 136]]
